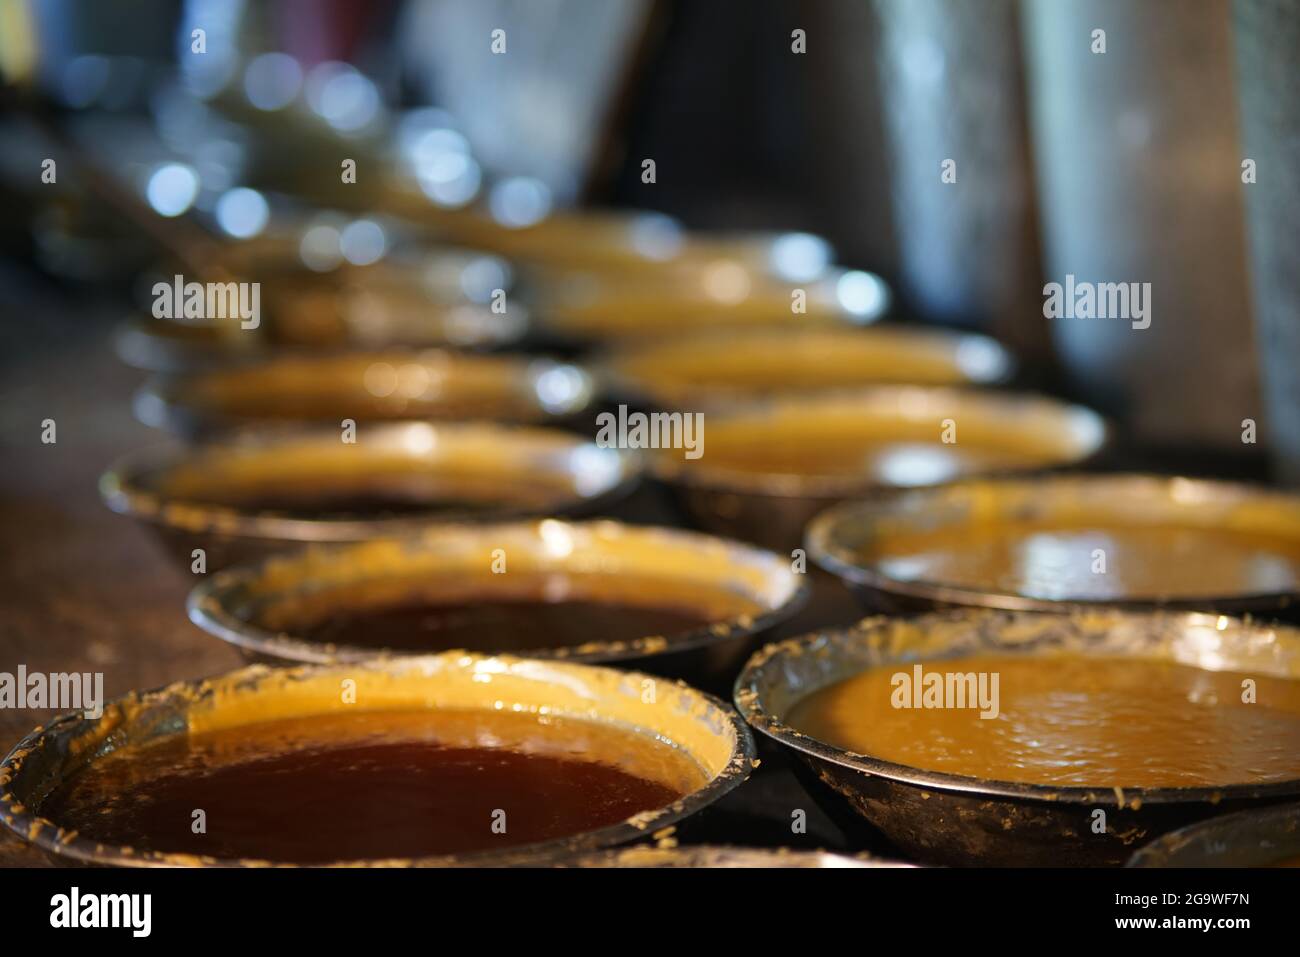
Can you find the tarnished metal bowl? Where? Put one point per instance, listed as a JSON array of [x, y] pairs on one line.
[[703, 728], [439, 297], [704, 855], [366, 387], [172, 346], [1034, 544], [694, 371], [769, 466], [1266, 837], [721, 296], [260, 493], [739, 590], [954, 819], [619, 243]]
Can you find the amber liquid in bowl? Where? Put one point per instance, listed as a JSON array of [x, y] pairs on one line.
[[504, 624], [1072, 720], [1060, 562], [343, 504], [372, 785], [375, 498]]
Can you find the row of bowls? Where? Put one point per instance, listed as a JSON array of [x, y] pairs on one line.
[[932, 816], [253, 492], [421, 295]]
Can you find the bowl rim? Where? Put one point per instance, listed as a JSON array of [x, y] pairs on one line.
[[207, 604], [164, 401], [44, 834], [748, 699], [608, 367], [820, 548], [121, 490], [1160, 852], [559, 316], [678, 472]]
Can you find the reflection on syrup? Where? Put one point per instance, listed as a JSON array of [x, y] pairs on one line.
[[372, 785], [1074, 720], [892, 461], [499, 624], [1058, 563], [371, 499]]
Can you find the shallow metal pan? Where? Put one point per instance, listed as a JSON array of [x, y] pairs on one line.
[[952, 819], [773, 507], [366, 387], [841, 539], [744, 590], [706, 729], [512, 472]]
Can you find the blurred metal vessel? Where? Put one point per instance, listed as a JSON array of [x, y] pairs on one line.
[[952, 91], [704, 855], [787, 457], [704, 369], [1137, 160], [1199, 520], [1268, 78], [367, 387], [1267, 837], [262, 492]]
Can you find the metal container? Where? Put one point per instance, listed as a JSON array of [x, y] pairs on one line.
[[1138, 163], [1267, 34], [953, 819], [703, 727], [952, 92], [618, 244], [704, 855], [840, 540], [773, 508], [743, 591], [1268, 837], [366, 387], [720, 294], [366, 321], [418, 296], [704, 369], [504, 472], [303, 312]]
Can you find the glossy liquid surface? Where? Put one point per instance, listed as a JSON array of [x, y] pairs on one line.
[[348, 503], [498, 625], [1059, 563], [372, 785], [848, 451], [1074, 720]]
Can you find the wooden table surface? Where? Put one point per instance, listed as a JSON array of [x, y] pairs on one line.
[[81, 589]]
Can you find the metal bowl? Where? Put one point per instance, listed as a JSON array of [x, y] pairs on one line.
[[620, 243], [172, 346], [773, 506], [366, 387], [723, 857], [721, 295], [406, 304], [450, 472], [1267, 837], [703, 727], [841, 539], [744, 591], [953, 819], [710, 368]]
